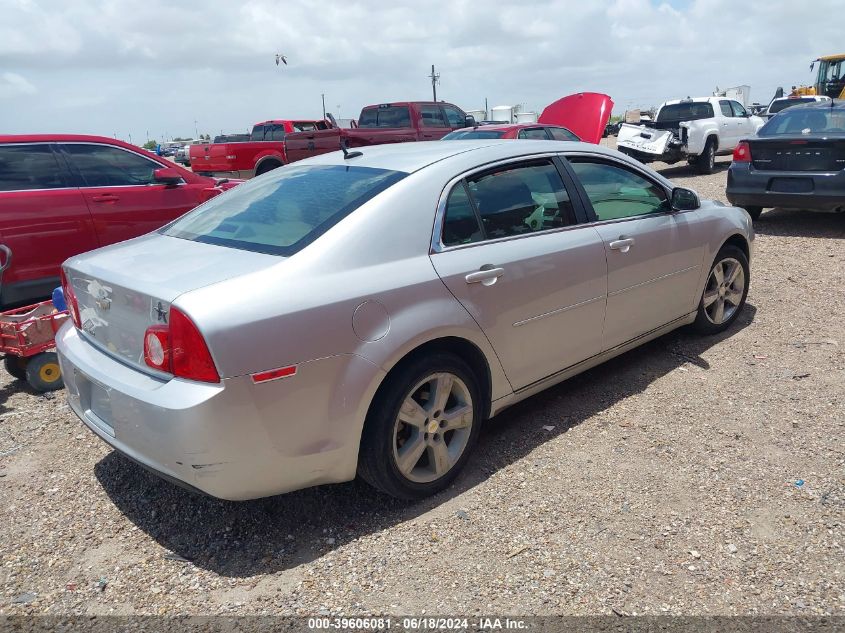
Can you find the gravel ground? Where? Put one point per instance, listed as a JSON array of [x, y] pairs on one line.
[[690, 476]]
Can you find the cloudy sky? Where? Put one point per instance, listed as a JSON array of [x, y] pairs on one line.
[[156, 67]]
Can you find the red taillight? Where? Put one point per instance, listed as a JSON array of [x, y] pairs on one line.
[[180, 349], [742, 153], [70, 300]]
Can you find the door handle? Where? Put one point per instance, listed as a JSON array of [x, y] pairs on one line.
[[487, 275], [623, 244], [105, 197]]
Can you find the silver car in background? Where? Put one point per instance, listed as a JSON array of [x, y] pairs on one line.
[[365, 313]]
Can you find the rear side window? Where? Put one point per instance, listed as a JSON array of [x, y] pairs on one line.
[[515, 200], [285, 211], [257, 133], [535, 133], [562, 134], [616, 192], [385, 116], [25, 167], [725, 106], [105, 166], [432, 116], [473, 133], [275, 132], [460, 224]]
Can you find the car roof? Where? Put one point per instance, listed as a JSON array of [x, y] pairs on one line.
[[693, 100], [63, 138], [411, 157], [507, 126], [823, 104]]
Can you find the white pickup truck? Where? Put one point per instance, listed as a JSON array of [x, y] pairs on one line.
[[695, 130]]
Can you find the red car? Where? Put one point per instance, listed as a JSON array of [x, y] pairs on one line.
[[61, 195], [514, 130], [265, 150]]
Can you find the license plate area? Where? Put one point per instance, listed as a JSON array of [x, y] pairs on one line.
[[791, 185], [95, 403]]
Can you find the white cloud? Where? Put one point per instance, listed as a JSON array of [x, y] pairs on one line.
[[158, 66], [13, 85]]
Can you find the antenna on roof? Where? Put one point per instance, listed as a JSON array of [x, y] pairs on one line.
[[346, 153]]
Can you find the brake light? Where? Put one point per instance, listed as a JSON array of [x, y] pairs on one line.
[[231, 156], [70, 300], [742, 153], [179, 348]]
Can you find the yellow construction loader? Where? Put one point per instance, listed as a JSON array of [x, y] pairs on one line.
[[830, 79]]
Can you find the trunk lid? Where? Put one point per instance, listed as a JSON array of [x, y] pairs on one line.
[[797, 154], [124, 289], [585, 113]]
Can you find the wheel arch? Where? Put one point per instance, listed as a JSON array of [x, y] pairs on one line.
[[458, 346], [740, 242], [267, 160]]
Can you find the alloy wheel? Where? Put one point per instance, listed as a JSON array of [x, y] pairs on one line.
[[724, 292], [433, 427]]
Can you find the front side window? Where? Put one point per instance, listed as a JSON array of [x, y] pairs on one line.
[[455, 117], [385, 116], [521, 199], [285, 211], [725, 106], [432, 116], [738, 110], [534, 133], [617, 192], [28, 167], [105, 166]]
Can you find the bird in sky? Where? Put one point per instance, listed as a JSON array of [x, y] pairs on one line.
[[281, 58]]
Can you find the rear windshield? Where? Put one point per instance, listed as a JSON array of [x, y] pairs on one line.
[[465, 135], [690, 111], [284, 212], [385, 116], [777, 106], [806, 122]]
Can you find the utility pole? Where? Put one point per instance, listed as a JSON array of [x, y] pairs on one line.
[[196, 131], [435, 79], [323, 96]]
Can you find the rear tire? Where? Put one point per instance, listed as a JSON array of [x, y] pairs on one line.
[[754, 212], [421, 427], [725, 291], [43, 372], [16, 366], [706, 163], [266, 166]]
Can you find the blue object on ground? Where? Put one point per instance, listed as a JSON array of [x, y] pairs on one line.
[[59, 299], [799, 483]]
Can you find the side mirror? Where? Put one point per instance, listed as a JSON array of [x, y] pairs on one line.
[[469, 121], [684, 199], [167, 176]]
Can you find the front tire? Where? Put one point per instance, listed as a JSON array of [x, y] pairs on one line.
[[706, 163], [421, 427], [724, 294]]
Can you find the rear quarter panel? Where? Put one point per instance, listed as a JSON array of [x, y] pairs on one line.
[[214, 157]]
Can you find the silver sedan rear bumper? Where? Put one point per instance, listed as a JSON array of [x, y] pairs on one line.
[[234, 440]]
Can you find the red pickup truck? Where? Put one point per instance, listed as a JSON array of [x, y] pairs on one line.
[[386, 123], [264, 151]]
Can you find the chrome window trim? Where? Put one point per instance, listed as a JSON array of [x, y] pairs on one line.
[[437, 245]]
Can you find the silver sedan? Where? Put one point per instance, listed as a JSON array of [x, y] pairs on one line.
[[365, 313]]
